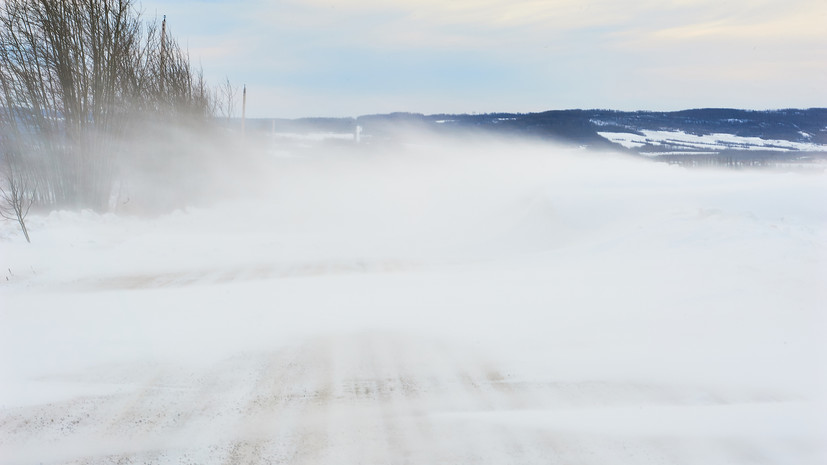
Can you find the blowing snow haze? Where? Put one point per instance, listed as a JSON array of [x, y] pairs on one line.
[[443, 299], [569, 286]]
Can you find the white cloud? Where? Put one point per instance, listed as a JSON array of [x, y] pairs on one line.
[[566, 52]]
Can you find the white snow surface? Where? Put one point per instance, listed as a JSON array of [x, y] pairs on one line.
[[314, 136], [489, 304], [691, 143]]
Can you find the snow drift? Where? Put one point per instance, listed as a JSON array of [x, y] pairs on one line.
[[439, 302]]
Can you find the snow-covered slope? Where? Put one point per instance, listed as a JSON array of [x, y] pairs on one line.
[[483, 303], [679, 142]]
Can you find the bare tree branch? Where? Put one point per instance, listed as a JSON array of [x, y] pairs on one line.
[[16, 196], [75, 75]]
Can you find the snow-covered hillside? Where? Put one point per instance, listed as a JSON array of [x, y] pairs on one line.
[[478, 303], [679, 142]]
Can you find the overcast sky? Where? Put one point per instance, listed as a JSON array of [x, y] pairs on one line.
[[349, 58]]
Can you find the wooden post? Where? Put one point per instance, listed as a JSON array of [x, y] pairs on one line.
[[243, 108], [163, 53]]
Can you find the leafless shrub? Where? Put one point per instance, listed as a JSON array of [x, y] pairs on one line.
[[227, 96], [17, 194], [75, 77]]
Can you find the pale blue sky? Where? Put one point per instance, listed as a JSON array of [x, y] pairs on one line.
[[348, 58]]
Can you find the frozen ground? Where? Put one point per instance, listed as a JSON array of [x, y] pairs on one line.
[[486, 304]]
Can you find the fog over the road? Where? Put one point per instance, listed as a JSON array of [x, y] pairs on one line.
[[441, 301]]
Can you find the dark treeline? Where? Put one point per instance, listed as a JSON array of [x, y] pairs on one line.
[[581, 126]]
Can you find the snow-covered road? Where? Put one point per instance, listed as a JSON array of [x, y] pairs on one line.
[[384, 398], [510, 306]]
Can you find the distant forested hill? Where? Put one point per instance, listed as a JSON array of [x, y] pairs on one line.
[[702, 134]]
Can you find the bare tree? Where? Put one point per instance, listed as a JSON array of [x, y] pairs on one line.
[[227, 95], [75, 76], [16, 196]]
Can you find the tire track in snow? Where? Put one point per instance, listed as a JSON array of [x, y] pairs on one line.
[[367, 398]]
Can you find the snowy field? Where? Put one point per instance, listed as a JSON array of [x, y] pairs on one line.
[[691, 143], [476, 304]]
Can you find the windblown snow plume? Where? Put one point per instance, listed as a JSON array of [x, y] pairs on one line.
[[437, 301]]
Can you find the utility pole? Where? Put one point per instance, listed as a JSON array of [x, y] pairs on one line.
[[243, 108], [163, 53]]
